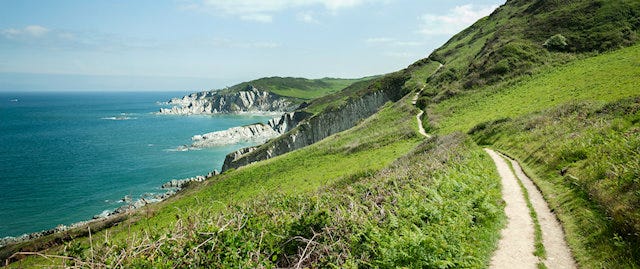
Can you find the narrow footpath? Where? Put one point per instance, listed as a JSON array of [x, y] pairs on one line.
[[419, 116], [415, 102], [516, 246]]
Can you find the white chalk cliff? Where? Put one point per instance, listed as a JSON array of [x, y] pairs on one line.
[[309, 129], [256, 133], [249, 100]]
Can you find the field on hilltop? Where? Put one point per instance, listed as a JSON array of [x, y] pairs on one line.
[[299, 88]]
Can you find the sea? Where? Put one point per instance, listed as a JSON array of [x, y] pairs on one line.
[[66, 157]]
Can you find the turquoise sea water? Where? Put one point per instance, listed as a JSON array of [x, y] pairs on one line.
[[65, 157]]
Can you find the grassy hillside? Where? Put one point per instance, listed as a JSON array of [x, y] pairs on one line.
[[586, 156], [392, 83], [380, 195], [573, 128], [412, 78], [499, 74], [607, 77], [299, 88], [511, 42]]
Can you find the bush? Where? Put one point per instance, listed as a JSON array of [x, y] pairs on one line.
[[556, 42]]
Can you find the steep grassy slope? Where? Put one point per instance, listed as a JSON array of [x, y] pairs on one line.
[[393, 83], [511, 41], [586, 156], [438, 206], [500, 69], [299, 88], [604, 78]]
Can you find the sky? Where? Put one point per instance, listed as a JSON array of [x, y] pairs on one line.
[[116, 45]]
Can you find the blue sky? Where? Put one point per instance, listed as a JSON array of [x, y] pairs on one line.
[[209, 44]]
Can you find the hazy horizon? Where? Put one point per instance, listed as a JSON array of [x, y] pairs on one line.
[[197, 44]]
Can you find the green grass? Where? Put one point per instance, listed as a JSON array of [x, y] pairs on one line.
[[299, 88], [597, 199], [334, 85], [438, 206], [420, 72], [607, 77], [585, 157], [390, 83]]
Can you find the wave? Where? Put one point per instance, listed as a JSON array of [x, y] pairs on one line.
[[119, 118], [182, 148]]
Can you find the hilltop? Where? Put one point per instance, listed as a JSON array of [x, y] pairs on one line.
[[552, 84], [273, 94], [300, 88]]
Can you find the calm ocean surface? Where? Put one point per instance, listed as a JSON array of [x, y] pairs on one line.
[[65, 157]]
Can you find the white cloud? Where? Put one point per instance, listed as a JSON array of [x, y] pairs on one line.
[[378, 40], [456, 20], [28, 31], [408, 43], [36, 36], [10, 32], [261, 6], [251, 8], [36, 30], [228, 43], [264, 18], [307, 17], [400, 54], [387, 41]]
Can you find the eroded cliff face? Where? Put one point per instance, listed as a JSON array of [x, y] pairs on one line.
[[212, 102], [310, 131], [255, 133]]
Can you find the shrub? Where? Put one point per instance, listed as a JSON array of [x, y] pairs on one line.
[[556, 42]]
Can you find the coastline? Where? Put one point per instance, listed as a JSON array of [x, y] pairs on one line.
[[130, 205], [173, 186]]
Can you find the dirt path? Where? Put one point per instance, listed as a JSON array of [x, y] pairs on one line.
[[414, 101], [515, 249], [419, 116], [516, 246]]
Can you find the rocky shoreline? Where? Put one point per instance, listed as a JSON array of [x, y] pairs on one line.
[[250, 101], [172, 187], [257, 133]]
